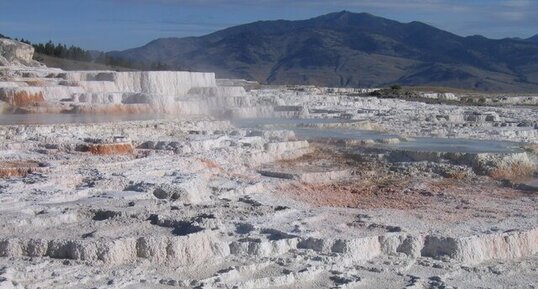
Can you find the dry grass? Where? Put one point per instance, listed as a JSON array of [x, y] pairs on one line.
[[439, 89], [457, 175], [68, 64], [513, 172]]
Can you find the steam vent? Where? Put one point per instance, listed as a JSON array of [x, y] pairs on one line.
[[173, 179]]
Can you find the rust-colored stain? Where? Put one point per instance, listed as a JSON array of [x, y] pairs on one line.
[[24, 98], [111, 149], [449, 199], [17, 168], [210, 164]]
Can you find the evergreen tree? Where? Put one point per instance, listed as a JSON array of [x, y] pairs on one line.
[[49, 48], [76, 53]]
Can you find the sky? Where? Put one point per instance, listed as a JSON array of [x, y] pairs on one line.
[[121, 24]]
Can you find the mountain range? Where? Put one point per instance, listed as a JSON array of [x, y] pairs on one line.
[[351, 49]]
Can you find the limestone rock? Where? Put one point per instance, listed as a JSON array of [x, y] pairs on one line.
[[15, 53]]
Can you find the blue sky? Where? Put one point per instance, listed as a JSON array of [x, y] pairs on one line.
[[121, 24]]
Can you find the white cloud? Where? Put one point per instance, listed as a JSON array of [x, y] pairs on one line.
[[517, 3]]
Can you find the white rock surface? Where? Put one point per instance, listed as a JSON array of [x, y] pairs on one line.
[[15, 53]]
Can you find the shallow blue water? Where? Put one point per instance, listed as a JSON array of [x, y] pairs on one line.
[[258, 122], [428, 144], [459, 145]]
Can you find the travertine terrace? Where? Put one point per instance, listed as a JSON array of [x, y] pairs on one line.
[[173, 179]]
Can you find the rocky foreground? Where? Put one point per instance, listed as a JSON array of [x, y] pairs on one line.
[[325, 188]]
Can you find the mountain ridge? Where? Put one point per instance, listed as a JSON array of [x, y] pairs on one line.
[[350, 49], [533, 39]]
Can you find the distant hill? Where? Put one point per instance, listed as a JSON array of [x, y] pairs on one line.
[[351, 49], [533, 39]]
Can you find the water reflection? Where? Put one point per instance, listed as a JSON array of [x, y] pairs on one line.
[[59, 118]]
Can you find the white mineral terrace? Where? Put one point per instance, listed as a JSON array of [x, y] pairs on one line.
[[173, 179]]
